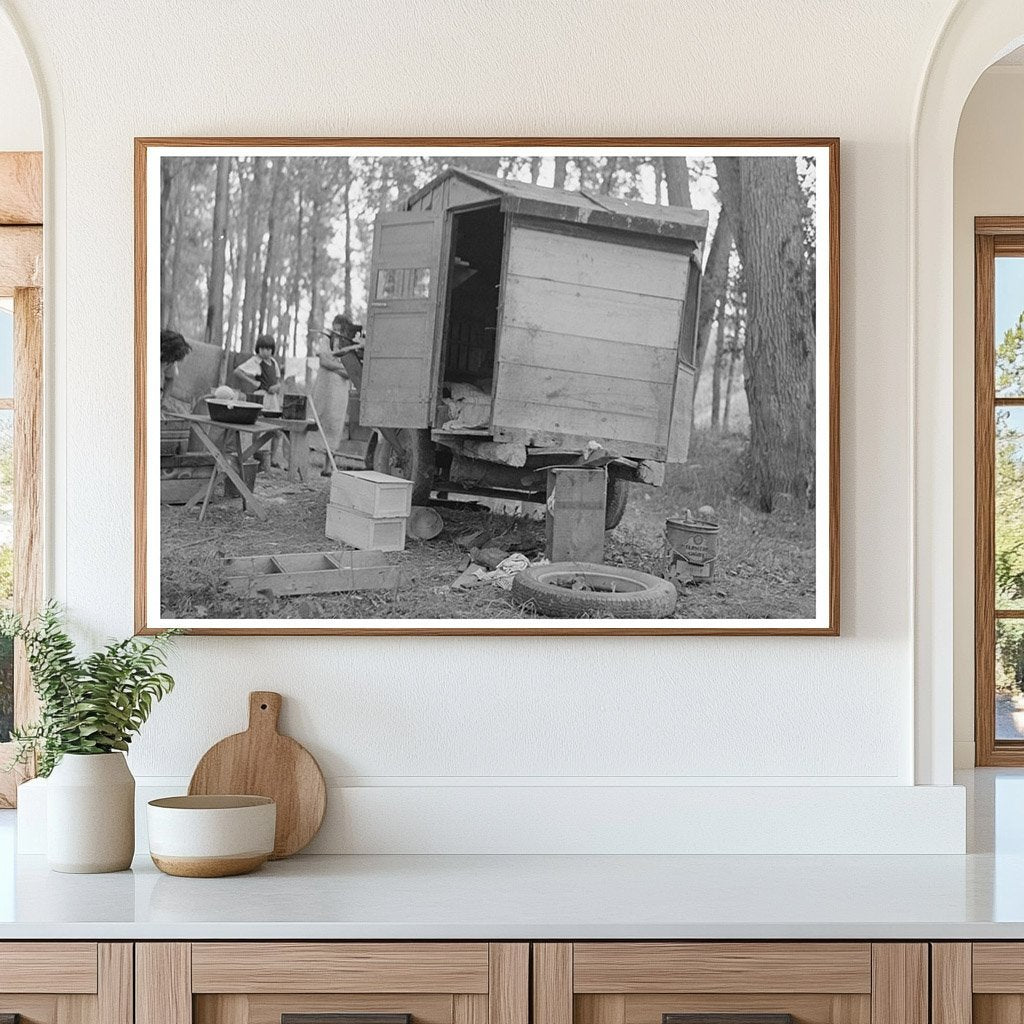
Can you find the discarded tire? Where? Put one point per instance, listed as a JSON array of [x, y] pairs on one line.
[[573, 590]]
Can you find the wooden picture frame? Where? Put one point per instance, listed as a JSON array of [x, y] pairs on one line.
[[824, 488]]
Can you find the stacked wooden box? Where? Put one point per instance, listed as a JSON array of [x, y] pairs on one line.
[[368, 510]]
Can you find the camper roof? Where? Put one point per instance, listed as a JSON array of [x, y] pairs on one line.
[[581, 207]]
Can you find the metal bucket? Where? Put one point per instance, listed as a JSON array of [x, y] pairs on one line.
[[691, 550]]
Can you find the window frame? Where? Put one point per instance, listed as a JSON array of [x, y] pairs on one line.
[[993, 237]]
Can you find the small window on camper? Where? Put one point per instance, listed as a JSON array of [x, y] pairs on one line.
[[403, 283]]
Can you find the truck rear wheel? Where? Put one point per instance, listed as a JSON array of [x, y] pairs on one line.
[[615, 501], [416, 463]]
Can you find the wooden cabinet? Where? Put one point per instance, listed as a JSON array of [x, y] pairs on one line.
[[494, 983], [66, 982], [752, 982], [978, 983], [308, 982]]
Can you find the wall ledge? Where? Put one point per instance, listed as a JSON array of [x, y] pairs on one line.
[[529, 819]]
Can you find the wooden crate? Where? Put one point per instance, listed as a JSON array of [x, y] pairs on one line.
[[320, 572], [372, 493], [363, 531], [576, 511], [181, 476]]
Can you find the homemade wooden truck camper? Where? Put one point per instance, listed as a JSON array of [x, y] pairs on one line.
[[512, 328]]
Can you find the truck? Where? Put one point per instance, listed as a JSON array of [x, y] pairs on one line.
[[512, 328]]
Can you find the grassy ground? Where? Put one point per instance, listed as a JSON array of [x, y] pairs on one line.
[[765, 565]]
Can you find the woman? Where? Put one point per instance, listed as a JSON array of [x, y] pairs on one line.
[[330, 392], [173, 349]]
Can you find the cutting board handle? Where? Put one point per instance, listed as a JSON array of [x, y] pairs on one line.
[[264, 710]]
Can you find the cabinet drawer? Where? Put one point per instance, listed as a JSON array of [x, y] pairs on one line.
[[332, 983], [634, 967], [66, 967], [340, 967], [66, 982], [730, 983]]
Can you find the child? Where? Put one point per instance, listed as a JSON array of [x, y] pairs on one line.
[[262, 374]]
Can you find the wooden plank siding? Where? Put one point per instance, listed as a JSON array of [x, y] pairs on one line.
[[588, 340], [587, 311], [568, 352], [606, 265]]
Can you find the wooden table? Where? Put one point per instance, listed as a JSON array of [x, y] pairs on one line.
[[298, 444], [261, 433]]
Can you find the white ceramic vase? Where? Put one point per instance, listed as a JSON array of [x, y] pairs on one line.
[[90, 814]]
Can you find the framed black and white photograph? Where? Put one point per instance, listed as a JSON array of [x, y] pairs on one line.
[[570, 386]]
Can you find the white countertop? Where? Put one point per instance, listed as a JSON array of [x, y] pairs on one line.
[[516, 897], [978, 896]]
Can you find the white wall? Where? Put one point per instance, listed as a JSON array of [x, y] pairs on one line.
[[21, 126], [429, 716], [987, 181]]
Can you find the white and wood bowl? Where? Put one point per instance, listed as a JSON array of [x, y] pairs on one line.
[[211, 836]]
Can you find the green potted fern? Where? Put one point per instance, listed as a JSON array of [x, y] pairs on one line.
[[90, 708]]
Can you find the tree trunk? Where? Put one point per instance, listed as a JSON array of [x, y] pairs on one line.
[[297, 276], [561, 163], [716, 372], [253, 240], [734, 350], [270, 262], [677, 180], [169, 217], [237, 262], [215, 301], [347, 195], [316, 312], [535, 162], [174, 287], [714, 285], [609, 175], [780, 337]]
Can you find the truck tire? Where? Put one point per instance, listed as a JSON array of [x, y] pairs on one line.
[[619, 593], [415, 464], [616, 501]]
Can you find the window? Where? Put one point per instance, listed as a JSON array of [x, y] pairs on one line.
[[407, 283], [21, 374], [6, 515], [20, 501], [999, 491]]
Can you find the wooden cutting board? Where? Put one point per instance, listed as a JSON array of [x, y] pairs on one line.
[[262, 762]]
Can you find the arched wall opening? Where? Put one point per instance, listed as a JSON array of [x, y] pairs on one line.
[[989, 155], [976, 34]]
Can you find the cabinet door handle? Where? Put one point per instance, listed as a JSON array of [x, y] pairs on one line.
[[727, 1018], [338, 1018]]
